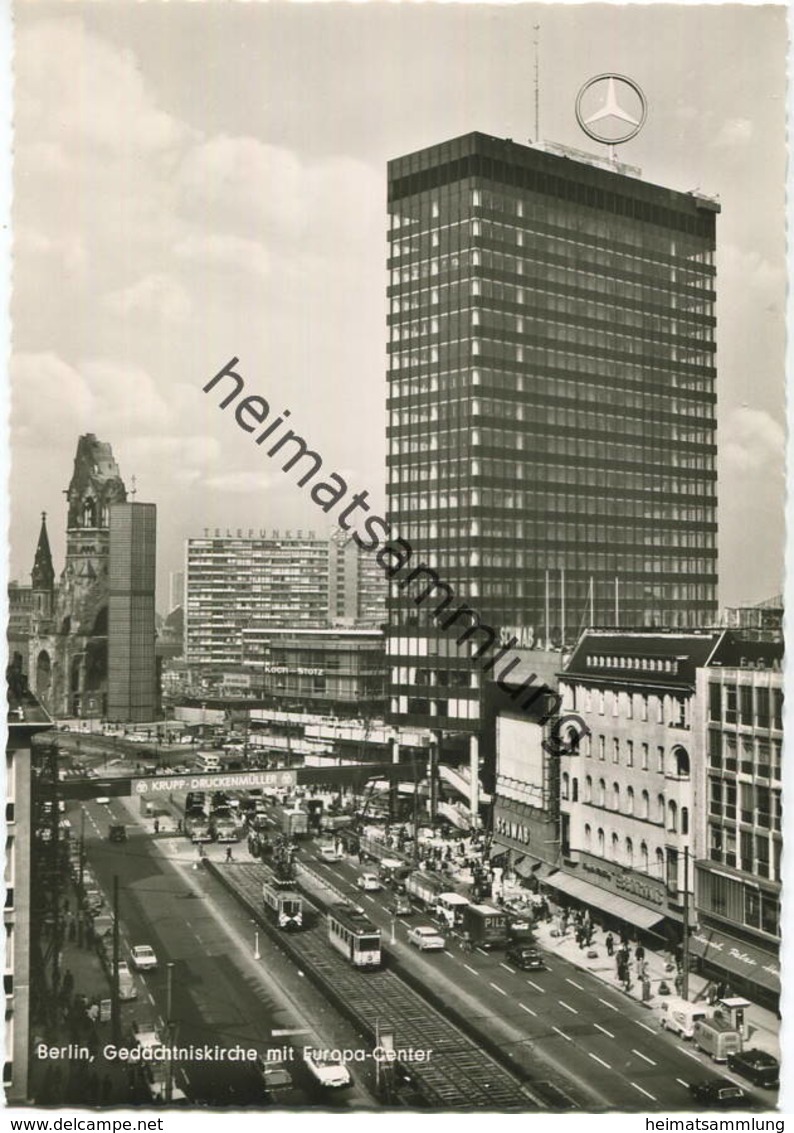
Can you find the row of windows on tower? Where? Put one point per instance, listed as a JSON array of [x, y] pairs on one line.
[[609, 226]]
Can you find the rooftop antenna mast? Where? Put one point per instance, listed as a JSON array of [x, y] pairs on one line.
[[536, 42]]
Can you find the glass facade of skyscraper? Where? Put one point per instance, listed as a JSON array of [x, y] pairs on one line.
[[552, 405]]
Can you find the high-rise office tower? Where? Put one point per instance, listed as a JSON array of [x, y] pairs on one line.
[[551, 405], [132, 689]]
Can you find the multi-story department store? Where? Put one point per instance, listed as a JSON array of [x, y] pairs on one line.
[[551, 405]]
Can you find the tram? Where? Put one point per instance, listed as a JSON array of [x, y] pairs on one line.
[[282, 901], [351, 932]]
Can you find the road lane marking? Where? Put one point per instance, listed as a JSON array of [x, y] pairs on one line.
[[689, 1052], [611, 1006], [507, 968], [641, 1055], [636, 1087], [469, 968], [597, 1059], [683, 1083], [645, 1027], [536, 986], [574, 983], [402, 921], [559, 1032], [482, 950], [448, 953], [528, 1010], [604, 1030], [497, 988], [567, 1007], [370, 897]]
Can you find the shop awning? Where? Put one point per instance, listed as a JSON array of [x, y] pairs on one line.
[[733, 955], [527, 867], [619, 907]]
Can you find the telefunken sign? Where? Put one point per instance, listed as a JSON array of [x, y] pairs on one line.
[[163, 785]]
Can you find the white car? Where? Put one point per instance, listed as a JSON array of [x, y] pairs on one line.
[[427, 939], [327, 852], [369, 881], [127, 988], [328, 1070], [143, 957], [145, 1035]]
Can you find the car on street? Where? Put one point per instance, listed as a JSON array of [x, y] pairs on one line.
[[524, 956], [718, 1093], [327, 852], [758, 1066], [117, 832], [127, 988], [143, 957], [370, 882], [326, 1068], [145, 1035], [273, 1073], [426, 938], [400, 906]]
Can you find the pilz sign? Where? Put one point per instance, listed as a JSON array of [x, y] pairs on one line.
[[159, 784]]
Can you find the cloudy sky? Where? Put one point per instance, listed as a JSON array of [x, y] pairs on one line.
[[198, 181]]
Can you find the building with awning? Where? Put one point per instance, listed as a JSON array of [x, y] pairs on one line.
[[610, 904], [745, 967]]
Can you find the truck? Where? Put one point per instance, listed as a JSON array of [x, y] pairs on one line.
[[294, 823], [717, 1038], [485, 926], [450, 908], [424, 887]]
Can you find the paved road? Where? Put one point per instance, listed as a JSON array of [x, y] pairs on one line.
[[220, 993], [610, 1046]]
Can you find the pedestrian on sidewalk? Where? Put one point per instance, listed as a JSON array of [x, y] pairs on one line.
[[639, 953], [157, 825], [228, 853], [610, 943]]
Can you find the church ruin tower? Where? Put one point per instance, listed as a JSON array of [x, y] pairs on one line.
[[70, 662]]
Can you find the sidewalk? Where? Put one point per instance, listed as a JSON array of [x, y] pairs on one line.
[[763, 1024]]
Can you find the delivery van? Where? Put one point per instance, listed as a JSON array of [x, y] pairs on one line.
[[717, 1038], [680, 1016]]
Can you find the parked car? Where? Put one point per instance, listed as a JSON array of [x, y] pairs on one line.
[[326, 1069], [524, 956], [759, 1067], [370, 882], [273, 1073], [145, 1035], [718, 1093], [127, 988], [426, 939], [143, 957]]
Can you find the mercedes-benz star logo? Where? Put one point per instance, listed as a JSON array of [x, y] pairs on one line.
[[610, 112]]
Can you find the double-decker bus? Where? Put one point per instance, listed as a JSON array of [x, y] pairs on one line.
[[352, 933], [282, 901]]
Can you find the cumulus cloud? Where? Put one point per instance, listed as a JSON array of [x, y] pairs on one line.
[[225, 253], [735, 132], [156, 296], [239, 482], [98, 90], [751, 441]]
